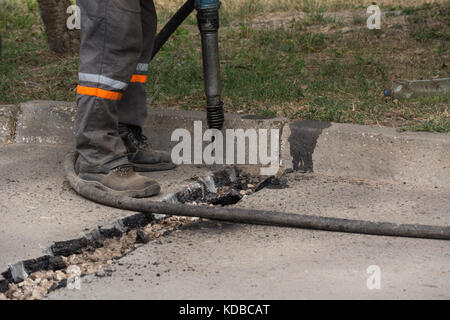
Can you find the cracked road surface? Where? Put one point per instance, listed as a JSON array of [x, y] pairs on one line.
[[209, 260], [38, 207], [214, 260]]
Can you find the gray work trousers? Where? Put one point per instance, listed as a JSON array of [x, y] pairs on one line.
[[117, 38]]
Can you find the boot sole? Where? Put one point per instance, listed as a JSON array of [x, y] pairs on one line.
[[152, 190], [153, 167]]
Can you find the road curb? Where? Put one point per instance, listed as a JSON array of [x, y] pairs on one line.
[[52, 122], [374, 153], [362, 152], [48, 122], [8, 115]]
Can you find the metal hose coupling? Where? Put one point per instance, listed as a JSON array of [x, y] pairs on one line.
[[208, 23]]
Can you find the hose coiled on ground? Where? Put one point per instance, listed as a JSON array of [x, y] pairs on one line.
[[251, 216]]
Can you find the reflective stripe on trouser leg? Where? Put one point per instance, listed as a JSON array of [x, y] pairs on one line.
[[100, 93], [99, 79], [133, 106], [111, 44]]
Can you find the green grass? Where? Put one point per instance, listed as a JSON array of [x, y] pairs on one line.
[[28, 70], [299, 74], [440, 125], [308, 69], [422, 22]]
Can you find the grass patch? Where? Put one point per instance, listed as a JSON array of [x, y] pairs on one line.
[[28, 70], [433, 125], [428, 23], [319, 68]]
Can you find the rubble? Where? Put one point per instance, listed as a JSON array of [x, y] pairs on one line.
[[89, 260]]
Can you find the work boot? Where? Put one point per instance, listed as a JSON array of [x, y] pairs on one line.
[[122, 181], [140, 155]]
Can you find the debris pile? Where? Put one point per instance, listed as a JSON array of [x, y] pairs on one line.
[[226, 187], [89, 260]]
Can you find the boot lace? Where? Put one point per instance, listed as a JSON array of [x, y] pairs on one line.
[[123, 170]]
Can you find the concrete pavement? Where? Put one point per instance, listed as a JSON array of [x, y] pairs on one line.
[[347, 150], [212, 260], [360, 172], [38, 207]]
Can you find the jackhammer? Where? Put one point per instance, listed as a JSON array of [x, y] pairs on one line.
[[208, 21], [208, 24]]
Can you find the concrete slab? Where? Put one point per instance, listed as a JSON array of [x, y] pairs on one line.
[[48, 122], [161, 123], [320, 195], [52, 122], [8, 115], [272, 264], [364, 152], [212, 260], [37, 206]]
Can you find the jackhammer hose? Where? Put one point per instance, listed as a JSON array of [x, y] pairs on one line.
[[173, 25], [251, 216]]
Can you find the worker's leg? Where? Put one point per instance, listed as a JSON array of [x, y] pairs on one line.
[[133, 106], [111, 45]]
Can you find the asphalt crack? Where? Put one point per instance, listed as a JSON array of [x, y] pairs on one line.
[[93, 253]]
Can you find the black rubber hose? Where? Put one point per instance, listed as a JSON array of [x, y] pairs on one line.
[[172, 25], [250, 216]]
